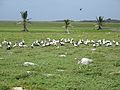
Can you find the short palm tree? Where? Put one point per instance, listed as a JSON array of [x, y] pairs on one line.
[[67, 24], [24, 16], [100, 21]]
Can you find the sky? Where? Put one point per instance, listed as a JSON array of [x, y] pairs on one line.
[[48, 10]]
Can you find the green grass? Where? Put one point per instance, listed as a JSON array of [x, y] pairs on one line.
[[102, 74]]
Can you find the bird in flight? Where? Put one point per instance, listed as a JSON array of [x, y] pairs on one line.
[[81, 9]]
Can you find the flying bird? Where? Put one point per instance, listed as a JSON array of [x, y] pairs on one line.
[[81, 9]]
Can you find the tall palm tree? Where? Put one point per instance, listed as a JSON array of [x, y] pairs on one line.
[[100, 21], [67, 24], [24, 16]]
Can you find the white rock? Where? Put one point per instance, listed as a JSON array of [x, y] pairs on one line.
[[17, 88], [28, 72], [48, 75], [62, 55], [93, 49], [85, 61], [60, 70], [29, 64], [75, 58]]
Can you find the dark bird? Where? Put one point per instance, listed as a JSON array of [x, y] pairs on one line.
[[81, 9]]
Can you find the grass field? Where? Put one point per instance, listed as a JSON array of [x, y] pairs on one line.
[[53, 72]]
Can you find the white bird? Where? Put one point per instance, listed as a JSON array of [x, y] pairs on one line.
[[62, 43], [8, 47], [103, 41], [107, 41], [25, 46], [117, 44], [92, 41], [108, 44], [75, 44], [9, 43], [114, 41], [68, 40], [65, 40], [94, 45], [32, 45], [23, 41], [79, 42], [22, 46], [42, 42], [0, 46], [43, 45], [85, 42], [61, 39], [36, 43], [71, 41], [47, 44], [4, 42], [49, 39], [15, 45], [85, 61]]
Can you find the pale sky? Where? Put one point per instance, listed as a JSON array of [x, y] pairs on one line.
[[59, 9]]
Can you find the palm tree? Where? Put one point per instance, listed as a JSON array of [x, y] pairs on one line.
[[100, 21], [67, 24], [24, 15]]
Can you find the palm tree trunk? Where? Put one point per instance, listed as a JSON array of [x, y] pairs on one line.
[[99, 27], [25, 26], [67, 31]]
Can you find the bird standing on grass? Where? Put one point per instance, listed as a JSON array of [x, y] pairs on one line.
[[8, 47], [0, 46]]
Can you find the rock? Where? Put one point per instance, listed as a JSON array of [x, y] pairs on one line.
[[17, 88], [75, 58], [60, 70], [93, 49], [85, 61], [48, 75], [62, 55], [29, 64]]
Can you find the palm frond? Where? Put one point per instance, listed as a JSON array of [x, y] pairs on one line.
[[100, 21], [24, 14]]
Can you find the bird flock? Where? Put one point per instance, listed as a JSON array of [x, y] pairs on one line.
[[59, 42]]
